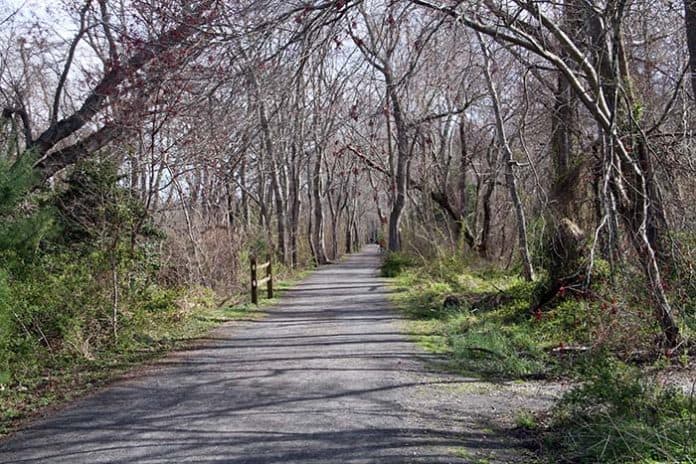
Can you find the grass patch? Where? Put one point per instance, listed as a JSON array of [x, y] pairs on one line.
[[428, 335], [479, 337], [618, 415], [481, 318], [491, 352]]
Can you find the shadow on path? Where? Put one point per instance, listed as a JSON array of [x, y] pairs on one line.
[[328, 377]]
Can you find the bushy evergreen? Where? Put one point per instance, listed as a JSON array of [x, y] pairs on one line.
[[23, 225], [59, 253], [24, 220]]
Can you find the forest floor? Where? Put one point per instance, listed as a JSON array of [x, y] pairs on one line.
[[330, 375]]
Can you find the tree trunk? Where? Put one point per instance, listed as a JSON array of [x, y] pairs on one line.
[[281, 219], [510, 179], [463, 187], [310, 215], [690, 19], [349, 234], [334, 234], [565, 248], [246, 217], [486, 216], [115, 295], [294, 207], [639, 205], [401, 177], [318, 242], [566, 172]]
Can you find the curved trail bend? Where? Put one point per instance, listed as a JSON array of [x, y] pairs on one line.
[[329, 376]]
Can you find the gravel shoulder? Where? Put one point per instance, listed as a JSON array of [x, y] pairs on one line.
[[330, 375]]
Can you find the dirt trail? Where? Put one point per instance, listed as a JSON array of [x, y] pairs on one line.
[[329, 376]]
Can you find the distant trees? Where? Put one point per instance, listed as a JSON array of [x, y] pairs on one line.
[[559, 140]]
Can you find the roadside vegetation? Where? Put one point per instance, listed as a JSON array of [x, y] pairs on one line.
[[486, 322], [530, 166]]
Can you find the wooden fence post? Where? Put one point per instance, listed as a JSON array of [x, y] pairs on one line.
[[269, 274], [254, 282]]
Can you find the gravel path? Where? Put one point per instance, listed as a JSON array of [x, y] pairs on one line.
[[329, 376]]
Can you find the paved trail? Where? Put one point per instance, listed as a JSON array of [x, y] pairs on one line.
[[328, 377]]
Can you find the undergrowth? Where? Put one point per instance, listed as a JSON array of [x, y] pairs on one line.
[[396, 264], [166, 320], [489, 330], [618, 414]]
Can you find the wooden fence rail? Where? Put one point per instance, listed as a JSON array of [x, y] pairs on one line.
[[256, 282]]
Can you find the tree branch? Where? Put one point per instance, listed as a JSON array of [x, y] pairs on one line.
[[115, 76], [68, 62], [60, 159]]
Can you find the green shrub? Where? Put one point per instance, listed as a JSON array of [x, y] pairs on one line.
[[490, 332], [157, 299], [95, 211], [259, 247], [526, 420], [7, 329], [58, 253], [395, 263]]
